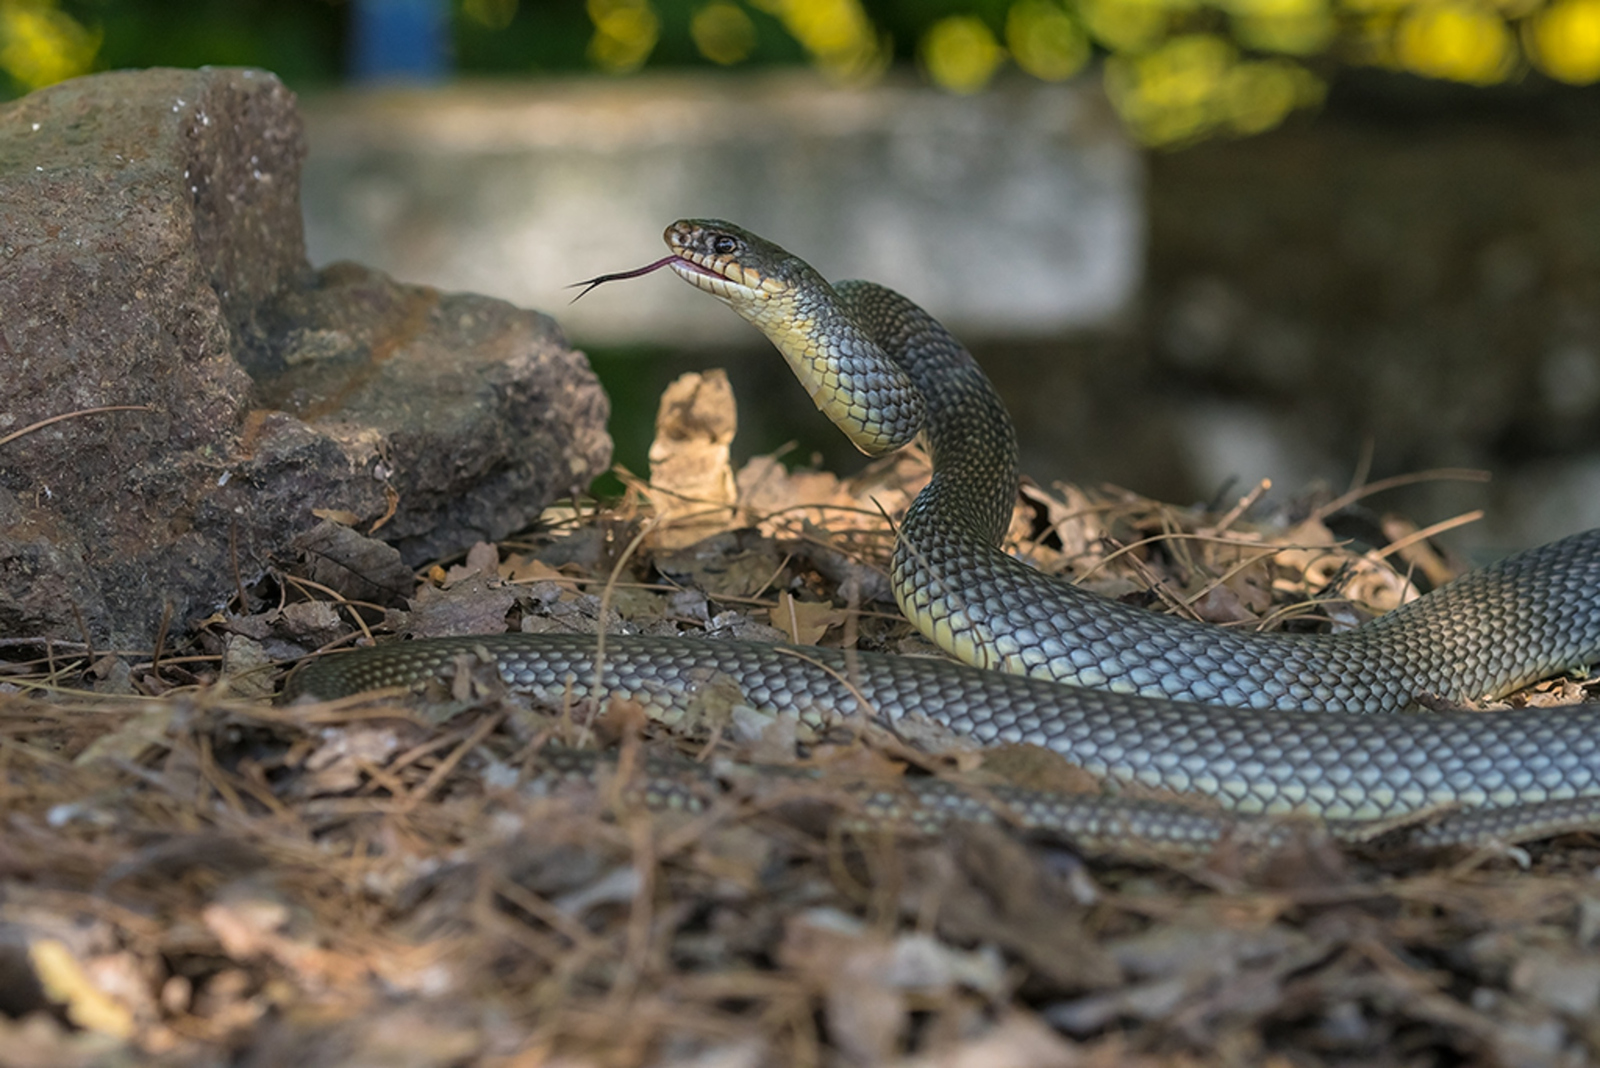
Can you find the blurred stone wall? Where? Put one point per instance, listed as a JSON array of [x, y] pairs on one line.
[[1015, 213]]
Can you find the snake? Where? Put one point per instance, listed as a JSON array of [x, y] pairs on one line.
[[1257, 726]]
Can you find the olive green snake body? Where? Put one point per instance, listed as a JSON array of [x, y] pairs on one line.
[[1263, 724]]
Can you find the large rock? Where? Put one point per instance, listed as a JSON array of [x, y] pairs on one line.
[[153, 255]]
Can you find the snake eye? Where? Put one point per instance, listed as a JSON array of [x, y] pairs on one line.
[[723, 245]]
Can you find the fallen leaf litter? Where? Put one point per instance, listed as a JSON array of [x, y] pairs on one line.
[[191, 875]]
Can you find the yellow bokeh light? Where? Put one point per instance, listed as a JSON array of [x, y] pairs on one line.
[[1045, 41], [1258, 96], [837, 34], [961, 53], [490, 14], [1564, 41], [1185, 71], [1164, 95], [1512, 10], [1273, 8], [1197, 84], [1125, 25], [1454, 41], [1376, 8], [1296, 27], [723, 32], [1299, 35], [40, 45], [1369, 39], [625, 33]]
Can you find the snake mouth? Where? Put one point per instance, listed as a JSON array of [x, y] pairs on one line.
[[722, 278], [697, 274]]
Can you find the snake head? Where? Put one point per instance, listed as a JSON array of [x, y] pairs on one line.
[[733, 264]]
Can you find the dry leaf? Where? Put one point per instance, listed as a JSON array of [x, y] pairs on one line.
[[135, 737], [691, 482], [247, 668], [738, 563], [1019, 1040], [359, 568], [65, 983], [471, 606], [526, 570], [806, 621], [482, 559], [846, 963]]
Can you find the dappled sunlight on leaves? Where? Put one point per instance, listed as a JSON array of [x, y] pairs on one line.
[[838, 35], [1197, 85], [41, 44], [1045, 41], [1459, 42], [961, 53], [625, 32], [1564, 40], [1177, 70], [723, 32]]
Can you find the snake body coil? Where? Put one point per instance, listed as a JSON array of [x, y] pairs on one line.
[[884, 370]]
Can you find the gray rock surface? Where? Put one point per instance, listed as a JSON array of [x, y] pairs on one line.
[[151, 253]]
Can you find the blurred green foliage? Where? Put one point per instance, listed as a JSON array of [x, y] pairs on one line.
[[1177, 70]]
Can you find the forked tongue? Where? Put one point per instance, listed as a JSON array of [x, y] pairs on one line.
[[604, 278]]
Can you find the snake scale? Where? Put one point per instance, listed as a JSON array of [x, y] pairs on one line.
[[1262, 724]]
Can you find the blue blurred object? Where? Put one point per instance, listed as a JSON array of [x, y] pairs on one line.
[[399, 40]]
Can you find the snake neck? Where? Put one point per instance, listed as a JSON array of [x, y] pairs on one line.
[[967, 429], [848, 375]]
